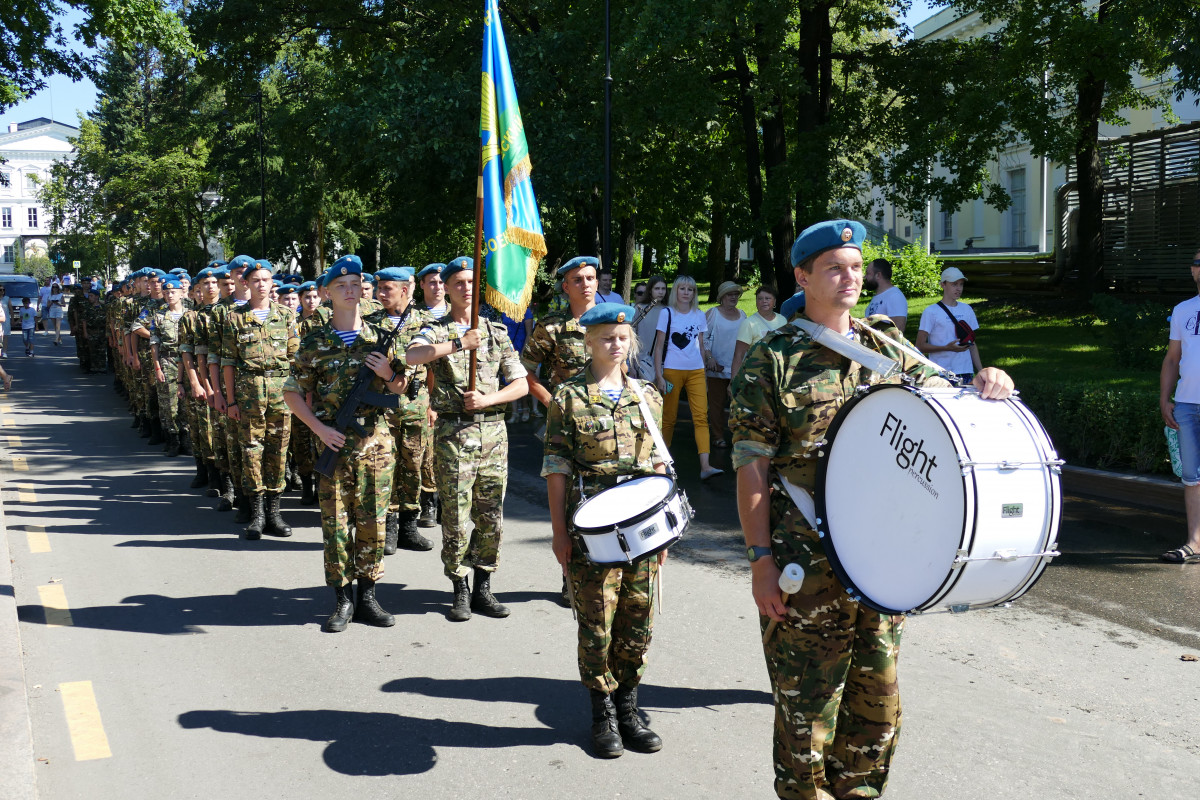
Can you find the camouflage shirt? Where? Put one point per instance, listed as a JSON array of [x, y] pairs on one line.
[[325, 366], [790, 388], [497, 359], [417, 319], [94, 317], [556, 343], [591, 437], [253, 346], [164, 331], [189, 328]]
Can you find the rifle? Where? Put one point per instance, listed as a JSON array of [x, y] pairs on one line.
[[346, 417]]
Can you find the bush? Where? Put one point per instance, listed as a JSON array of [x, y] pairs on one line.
[[1096, 425], [1135, 333], [914, 271]]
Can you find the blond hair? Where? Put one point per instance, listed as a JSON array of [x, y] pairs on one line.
[[684, 280], [594, 332]]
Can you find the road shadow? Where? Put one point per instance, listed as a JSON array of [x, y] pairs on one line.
[[370, 743]]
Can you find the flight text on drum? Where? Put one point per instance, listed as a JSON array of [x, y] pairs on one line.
[[910, 453]]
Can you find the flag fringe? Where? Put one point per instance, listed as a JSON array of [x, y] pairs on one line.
[[519, 172], [534, 242], [515, 309]]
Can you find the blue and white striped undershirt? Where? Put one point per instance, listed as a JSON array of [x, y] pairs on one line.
[[348, 337], [613, 394], [261, 314], [438, 312]]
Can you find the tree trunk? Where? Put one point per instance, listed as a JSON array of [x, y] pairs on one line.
[[684, 254], [626, 245], [378, 252], [754, 186], [814, 57], [778, 200], [647, 260], [587, 232], [1089, 254], [716, 249]]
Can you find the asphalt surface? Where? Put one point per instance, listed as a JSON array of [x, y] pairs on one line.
[[211, 677]]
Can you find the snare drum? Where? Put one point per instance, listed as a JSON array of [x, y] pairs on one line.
[[936, 499], [632, 520]]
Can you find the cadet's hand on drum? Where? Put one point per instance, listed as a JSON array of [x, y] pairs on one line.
[[993, 384], [379, 365], [331, 437], [765, 584]]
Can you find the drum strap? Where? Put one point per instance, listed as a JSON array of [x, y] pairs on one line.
[[648, 418], [878, 363], [802, 499], [914, 353]]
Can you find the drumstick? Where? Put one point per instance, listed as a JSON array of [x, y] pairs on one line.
[[570, 594], [790, 581], [658, 587]]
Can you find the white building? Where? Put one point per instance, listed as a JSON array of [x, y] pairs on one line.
[[28, 149], [1027, 225]]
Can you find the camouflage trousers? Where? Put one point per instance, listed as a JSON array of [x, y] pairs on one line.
[[265, 427], [97, 352], [472, 465], [136, 387], [202, 444], [410, 455], [614, 607], [428, 481], [354, 507], [233, 448], [303, 448], [167, 392], [149, 381], [833, 675]]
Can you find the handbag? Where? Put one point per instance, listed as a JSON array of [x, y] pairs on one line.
[[963, 332]]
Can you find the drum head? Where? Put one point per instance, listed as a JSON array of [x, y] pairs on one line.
[[891, 499], [624, 502]]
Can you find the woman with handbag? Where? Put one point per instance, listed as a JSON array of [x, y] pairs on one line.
[[597, 434], [947, 330]]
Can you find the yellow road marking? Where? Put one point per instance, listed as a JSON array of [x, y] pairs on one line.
[[25, 493], [19, 464], [14, 441], [83, 721], [54, 603], [39, 542], [10, 423], [5, 409]]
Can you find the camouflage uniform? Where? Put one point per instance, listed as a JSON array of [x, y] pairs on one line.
[[833, 665], [357, 495], [410, 422], [557, 344], [304, 443], [95, 318], [201, 421], [75, 327], [259, 353], [590, 437], [471, 449], [164, 331], [230, 430]]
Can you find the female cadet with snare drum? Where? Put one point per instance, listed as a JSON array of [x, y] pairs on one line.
[[595, 435]]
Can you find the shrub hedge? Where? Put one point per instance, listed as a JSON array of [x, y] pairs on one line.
[[914, 271], [1094, 425]]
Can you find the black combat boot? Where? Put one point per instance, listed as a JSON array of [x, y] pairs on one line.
[[606, 742], [367, 610], [185, 442], [634, 733], [294, 483], [410, 538], [244, 506], [156, 432], [308, 490], [482, 599], [342, 612], [137, 419], [275, 524], [201, 479], [227, 493], [214, 480], [144, 430], [258, 519], [391, 533], [428, 510], [461, 610], [173, 444]]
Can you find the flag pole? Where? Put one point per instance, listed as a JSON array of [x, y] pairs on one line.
[[478, 269]]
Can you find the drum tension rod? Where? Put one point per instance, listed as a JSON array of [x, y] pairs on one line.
[[962, 556], [1055, 464]]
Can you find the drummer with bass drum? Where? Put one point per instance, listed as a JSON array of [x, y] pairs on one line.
[[832, 661], [596, 437]]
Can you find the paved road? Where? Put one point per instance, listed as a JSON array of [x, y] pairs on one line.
[[211, 679]]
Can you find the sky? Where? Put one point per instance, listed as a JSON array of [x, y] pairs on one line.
[[63, 100]]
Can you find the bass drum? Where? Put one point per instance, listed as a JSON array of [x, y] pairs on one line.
[[936, 499]]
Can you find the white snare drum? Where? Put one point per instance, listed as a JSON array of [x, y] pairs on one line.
[[632, 520], [937, 499]]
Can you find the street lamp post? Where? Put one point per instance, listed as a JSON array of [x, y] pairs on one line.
[[606, 248], [262, 174]]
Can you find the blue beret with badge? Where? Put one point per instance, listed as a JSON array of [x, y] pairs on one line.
[[367, 276], [171, 283], [457, 265], [793, 305], [178, 271], [346, 265], [221, 272], [828, 235], [607, 314], [158, 273], [267, 265], [307, 286], [240, 262], [394, 274], [286, 288], [207, 272], [431, 269], [576, 263]]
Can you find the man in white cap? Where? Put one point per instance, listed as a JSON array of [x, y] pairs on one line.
[[947, 329]]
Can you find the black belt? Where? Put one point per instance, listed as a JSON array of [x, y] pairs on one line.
[[266, 373], [468, 417]]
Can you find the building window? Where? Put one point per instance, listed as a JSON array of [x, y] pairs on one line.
[[10, 253], [1016, 212], [908, 232], [33, 217], [5, 217], [947, 224], [31, 181]]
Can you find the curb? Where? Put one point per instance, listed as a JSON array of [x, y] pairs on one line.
[[1138, 491], [16, 735]]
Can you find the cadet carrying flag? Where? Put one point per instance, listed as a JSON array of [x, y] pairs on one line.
[[513, 242]]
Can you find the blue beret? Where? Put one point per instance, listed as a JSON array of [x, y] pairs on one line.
[[241, 262], [178, 271], [221, 272], [793, 305], [606, 314], [158, 273], [827, 235], [369, 276], [307, 286], [207, 272], [394, 274], [171, 283], [322, 279], [575, 263], [183, 276], [264, 264], [431, 269], [346, 265], [278, 283], [286, 288], [94, 291], [216, 262], [457, 265]]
